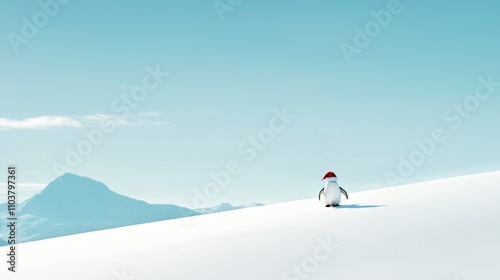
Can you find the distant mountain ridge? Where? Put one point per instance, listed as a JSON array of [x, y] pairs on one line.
[[74, 204], [226, 207], [75, 199]]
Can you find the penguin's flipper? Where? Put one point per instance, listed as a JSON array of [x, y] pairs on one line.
[[321, 191], [344, 192]]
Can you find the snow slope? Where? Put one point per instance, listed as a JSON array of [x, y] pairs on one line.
[[445, 229]]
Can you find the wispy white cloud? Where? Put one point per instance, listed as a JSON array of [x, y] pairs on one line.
[[25, 191], [138, 119], [27, 186], [42, 122], [45, 122]]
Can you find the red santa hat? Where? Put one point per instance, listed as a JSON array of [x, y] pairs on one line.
[[329, 175]]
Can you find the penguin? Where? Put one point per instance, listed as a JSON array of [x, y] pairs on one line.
[[332, 191]]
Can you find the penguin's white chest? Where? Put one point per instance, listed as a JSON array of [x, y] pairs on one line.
[[332, 193]]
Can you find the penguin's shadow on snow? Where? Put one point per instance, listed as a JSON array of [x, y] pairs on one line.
[[357, 206]]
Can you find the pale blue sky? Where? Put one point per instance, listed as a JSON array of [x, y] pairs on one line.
[[227, 77]]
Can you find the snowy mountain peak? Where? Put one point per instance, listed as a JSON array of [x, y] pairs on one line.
[[74, 183], [73, 204], [71, 196]]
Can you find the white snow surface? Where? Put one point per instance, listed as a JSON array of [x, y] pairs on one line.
[[445, 230]]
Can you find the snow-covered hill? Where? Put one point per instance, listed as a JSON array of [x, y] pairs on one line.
[[443, 230], [74, 204]]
